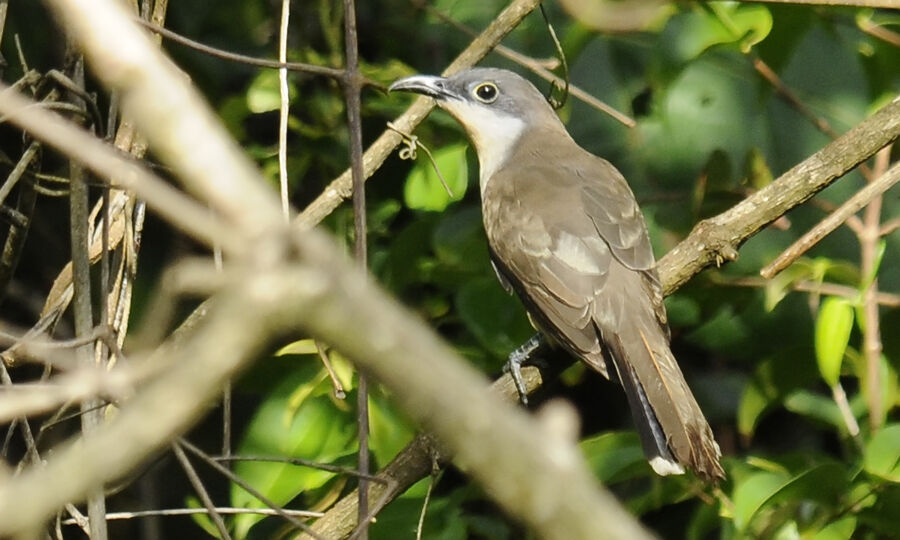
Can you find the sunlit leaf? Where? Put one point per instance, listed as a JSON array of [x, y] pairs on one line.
[[841, 529], [882, 454], [295, 420], [833, 326], [424, 189], [614, 16], [264, 94]]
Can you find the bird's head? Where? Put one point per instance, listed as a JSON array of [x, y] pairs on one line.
[[495, 106]]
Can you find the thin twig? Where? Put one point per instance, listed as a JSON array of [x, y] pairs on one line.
[[222, 510], [876, 30], [860, 199], [283, 110], [246, 487], [201, 491], [336, 385], [82, 311], [832, 289], [351, 86], [121, 171], [869, 261], [300, 462], [312, 69]]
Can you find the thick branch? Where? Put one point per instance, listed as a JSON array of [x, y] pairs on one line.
[[717, 239]]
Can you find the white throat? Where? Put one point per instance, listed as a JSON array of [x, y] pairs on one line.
[[492, 133]]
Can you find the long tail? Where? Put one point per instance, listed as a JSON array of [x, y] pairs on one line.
[[674, 433]]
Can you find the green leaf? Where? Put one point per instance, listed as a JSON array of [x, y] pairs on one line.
[[690, 34], [841, 529], [460, 245], [264, 94], [775, 378], [202, 520], [424, 190], [751, 493], [816, 407], [303, 346], [615, 456], [822, 483], [495, 318], [390, 431], [833, 327], [298, 419], [882, 454]]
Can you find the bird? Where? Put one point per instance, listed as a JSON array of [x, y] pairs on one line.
[[566, 235]]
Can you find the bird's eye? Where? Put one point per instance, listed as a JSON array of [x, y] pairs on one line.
[[486, 92]]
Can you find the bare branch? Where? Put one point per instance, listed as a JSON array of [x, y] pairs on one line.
[[860, 199], [715, 240]]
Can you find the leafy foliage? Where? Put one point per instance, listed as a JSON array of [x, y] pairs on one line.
[[709, 130], [806, 415]]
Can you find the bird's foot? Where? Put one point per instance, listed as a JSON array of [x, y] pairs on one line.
[[517, 359]]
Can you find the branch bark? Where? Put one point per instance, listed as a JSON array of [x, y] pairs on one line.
[[716, 240]]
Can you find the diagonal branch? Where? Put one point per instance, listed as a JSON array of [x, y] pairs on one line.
[[716, 240]]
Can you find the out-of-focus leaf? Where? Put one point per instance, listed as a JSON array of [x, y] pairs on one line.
[[408, 255], [841, 529], [615, 456], [683, 311], [264, 94], [823, 484], [444, 519], [303, 346], [703, 523], [699, 112], [751, 493], [814, 406], [779, 286], [725, 329], [887, 379], [390, 431], [613, 16], [833, 327], [879, 255], [494, 317], [424, 190], [202, 519], [774, 378], [882, 454], [294, 421], [460, 244], [690, 34], [758, 173]]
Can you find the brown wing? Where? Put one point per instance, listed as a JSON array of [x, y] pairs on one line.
[[554, 243]]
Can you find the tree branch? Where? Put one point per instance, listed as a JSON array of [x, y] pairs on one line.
[[716, 240]]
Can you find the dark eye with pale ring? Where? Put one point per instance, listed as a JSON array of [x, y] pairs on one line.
[[486, 92]]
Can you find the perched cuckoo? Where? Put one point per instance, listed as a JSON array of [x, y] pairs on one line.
[[566, 234]]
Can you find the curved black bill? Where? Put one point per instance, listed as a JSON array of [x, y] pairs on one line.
[[428, 85]]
